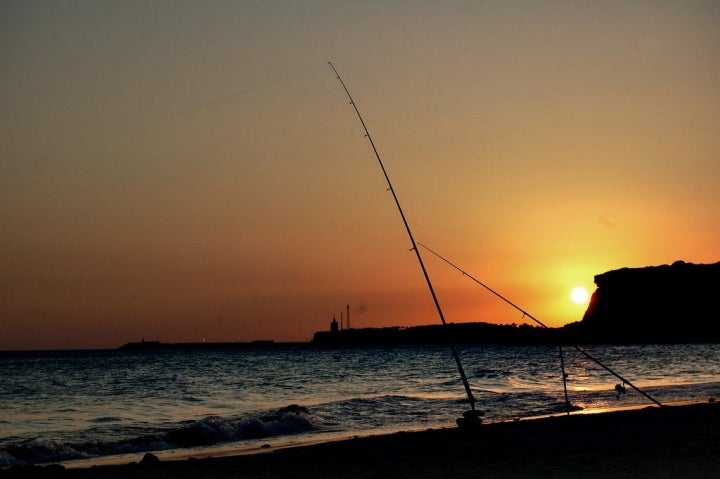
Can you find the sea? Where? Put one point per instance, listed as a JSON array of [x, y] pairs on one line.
[[80, 408]]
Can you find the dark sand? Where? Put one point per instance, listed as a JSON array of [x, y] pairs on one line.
[[668, 442]]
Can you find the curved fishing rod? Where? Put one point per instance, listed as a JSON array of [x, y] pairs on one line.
[[525, 313], [471, 398]]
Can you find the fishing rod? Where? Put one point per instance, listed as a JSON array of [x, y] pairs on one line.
[[525, 313], [472, 416]]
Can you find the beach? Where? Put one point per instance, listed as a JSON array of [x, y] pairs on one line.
[[679, 441]]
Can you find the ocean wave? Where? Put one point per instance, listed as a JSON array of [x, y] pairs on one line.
[[214, 429], [104, 419], [209, 431]]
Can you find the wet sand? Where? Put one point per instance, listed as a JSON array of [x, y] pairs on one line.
[[652, 442]]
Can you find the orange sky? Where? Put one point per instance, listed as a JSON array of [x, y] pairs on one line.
[[183, 171]]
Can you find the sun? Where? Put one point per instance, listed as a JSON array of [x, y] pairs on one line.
[[579, 295]]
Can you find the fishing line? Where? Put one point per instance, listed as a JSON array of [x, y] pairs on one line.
[[525, 313]]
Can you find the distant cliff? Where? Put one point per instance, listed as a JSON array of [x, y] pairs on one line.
[[655, 304]]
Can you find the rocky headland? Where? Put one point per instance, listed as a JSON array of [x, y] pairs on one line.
[[654, 304]]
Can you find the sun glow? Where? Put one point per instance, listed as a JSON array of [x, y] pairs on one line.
[[579, 295]]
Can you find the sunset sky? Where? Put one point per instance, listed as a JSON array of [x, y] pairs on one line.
[[183, 170]]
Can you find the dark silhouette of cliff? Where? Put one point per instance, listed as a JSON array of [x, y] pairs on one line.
[[655, 304]]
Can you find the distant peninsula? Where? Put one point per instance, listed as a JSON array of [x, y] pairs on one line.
[[666, 304]]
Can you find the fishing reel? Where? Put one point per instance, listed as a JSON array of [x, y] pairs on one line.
[[470, 420]]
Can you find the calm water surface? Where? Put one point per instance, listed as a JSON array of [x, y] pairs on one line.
[[59, 406]]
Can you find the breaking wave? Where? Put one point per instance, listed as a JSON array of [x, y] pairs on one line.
[[209, 431]]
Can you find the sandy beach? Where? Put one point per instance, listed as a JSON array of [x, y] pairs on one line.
[[679, 441]]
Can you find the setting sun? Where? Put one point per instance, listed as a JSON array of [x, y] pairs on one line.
[[579, 295]]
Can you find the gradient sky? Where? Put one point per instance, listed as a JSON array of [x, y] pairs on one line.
[[182, 170]]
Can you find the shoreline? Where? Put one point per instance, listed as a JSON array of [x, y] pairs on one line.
[[680, 441], [277, 443]]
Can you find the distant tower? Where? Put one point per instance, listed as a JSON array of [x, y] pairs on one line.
[[334, 325], [348, 316]]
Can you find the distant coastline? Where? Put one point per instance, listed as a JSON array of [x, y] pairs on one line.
[[666, 304], [159, 346], [456, 333]]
